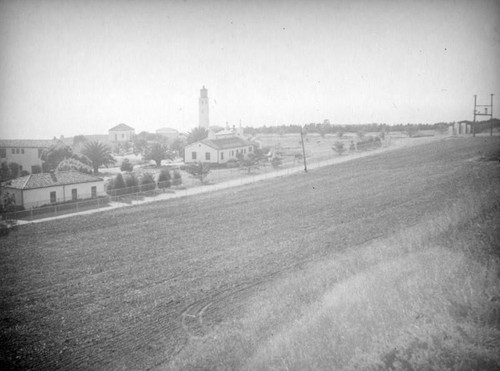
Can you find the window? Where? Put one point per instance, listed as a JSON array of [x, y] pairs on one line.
[[3, 153], [116, 137], [22, 151], [74, 194], [13, 151], [20, 167], [207, 156], [93, 192], [222, 155], [193, 155], [53, 197], [249, 149], [123, 135], [17, 151]]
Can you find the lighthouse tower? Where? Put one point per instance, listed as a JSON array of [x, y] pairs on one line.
[[203, 104]]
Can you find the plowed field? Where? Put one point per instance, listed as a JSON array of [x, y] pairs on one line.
[[128, 288]]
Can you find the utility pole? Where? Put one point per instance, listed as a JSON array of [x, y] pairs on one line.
[[303, 149], [485, 113]]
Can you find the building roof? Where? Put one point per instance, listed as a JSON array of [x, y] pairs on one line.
[[26, 143], [45, 180], [226, 143], [167, 130], [121, 127]]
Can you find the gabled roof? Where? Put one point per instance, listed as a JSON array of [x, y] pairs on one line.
[[226, 143], [26, 143], [121, 127], [45, 180]]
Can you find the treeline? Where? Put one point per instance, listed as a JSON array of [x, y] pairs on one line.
[[327, 128]]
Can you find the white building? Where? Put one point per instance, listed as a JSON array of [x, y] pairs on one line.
[[26, 153], [121, 133], [218, 151], [48, 188]]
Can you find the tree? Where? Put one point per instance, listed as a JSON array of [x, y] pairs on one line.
[[158, 152], [79, 139], [148, 182], [196, 135], [53, 155], [339, 147], [178, 146], [99, 154], [248, 163], [126, 165], [72, 164], [177, 178], [198, 171], [164, 179]]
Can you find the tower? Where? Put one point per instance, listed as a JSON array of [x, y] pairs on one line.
[[203, 106]]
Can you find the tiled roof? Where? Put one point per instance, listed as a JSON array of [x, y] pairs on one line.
[[45, 180], [26, 143], [121, 127], [226, 143]]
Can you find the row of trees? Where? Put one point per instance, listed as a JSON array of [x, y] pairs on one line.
[[131, 183], [327, 128]]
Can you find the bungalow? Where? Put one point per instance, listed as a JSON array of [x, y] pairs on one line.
[[121, 133], [218, 151], [27, 153], [40, 189]]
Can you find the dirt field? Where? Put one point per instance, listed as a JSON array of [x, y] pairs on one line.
[[129, 288]]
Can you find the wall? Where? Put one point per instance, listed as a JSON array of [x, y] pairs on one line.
[[41, 196], [121, 136], [200, 150], [27, 159]]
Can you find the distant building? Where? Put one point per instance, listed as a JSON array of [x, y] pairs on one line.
[[27, 153], [48, 188], [218, 151], [121, 133], [204, 121], [168, 133]]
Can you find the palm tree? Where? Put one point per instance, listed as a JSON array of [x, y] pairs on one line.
[[98, 154]]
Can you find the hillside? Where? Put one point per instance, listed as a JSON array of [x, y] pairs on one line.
[[173, 284]]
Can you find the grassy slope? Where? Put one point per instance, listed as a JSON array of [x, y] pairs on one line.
[[110, 290]]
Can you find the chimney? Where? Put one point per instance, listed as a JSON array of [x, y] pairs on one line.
[[53, 175]]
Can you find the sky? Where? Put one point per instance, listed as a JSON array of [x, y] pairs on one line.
[[81, 67]]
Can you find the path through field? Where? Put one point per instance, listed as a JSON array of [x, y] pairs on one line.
[[130, 287]]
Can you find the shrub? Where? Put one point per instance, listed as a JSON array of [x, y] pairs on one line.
[[164, 180], [232, 163], [126, 165], [132, 183], [118, 182], [148, 182], [177, 178], [339, 147], [276, 161]]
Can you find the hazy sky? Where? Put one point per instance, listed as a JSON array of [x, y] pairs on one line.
[[82, 67]]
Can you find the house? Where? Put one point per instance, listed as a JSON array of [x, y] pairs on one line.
[[27, 153], [218, 151], [168, 133], [121, 133], [55, 187]]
